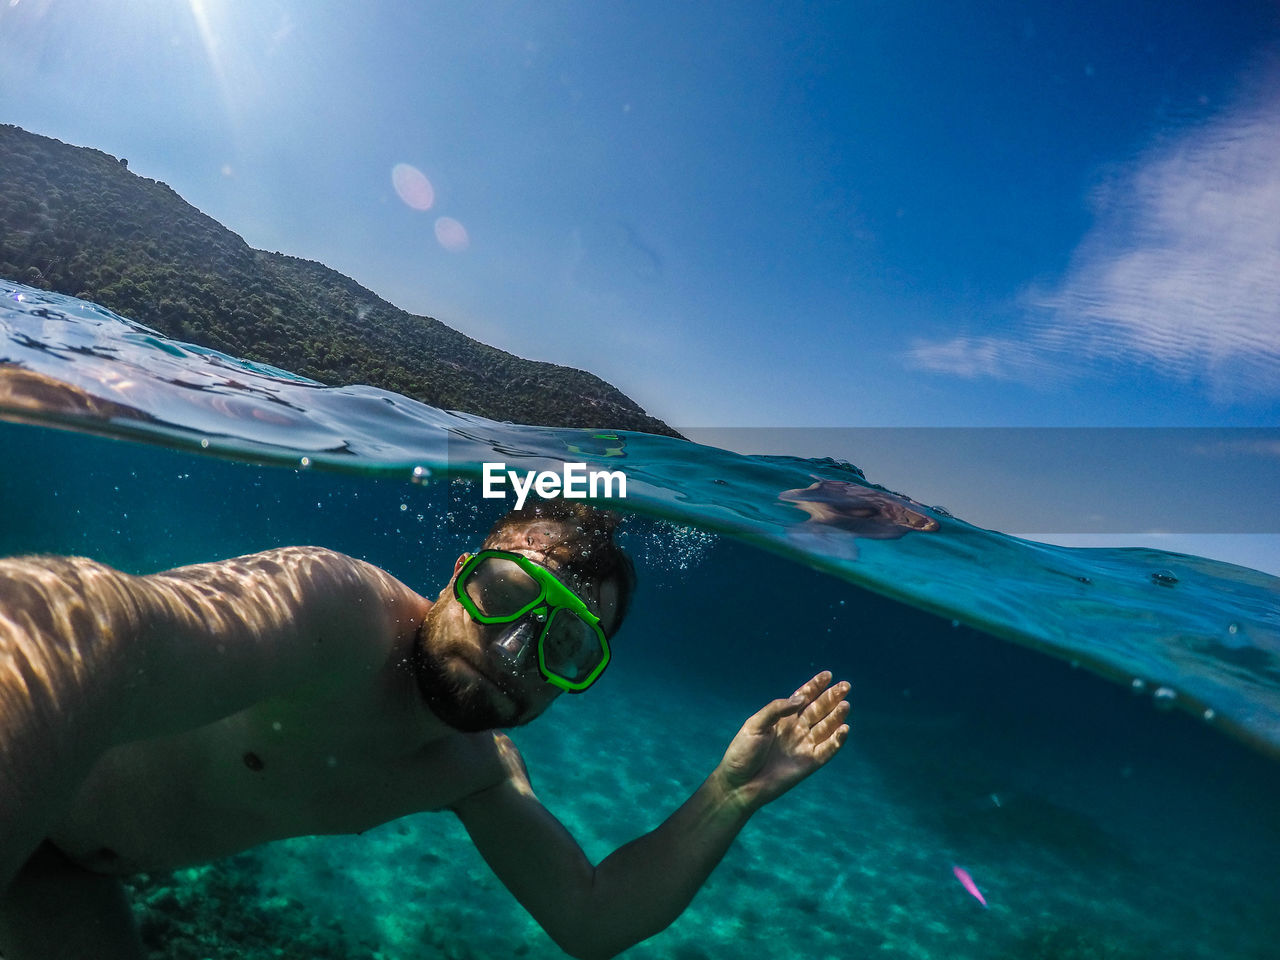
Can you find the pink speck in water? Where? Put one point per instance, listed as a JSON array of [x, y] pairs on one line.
[[966, 881]]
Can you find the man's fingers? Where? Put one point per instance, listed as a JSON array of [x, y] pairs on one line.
[[823, 705], [813, 687], [812, 700], [772, 712], [832, 721], [827, 749]]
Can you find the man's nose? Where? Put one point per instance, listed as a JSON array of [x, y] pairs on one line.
[[513, 646]]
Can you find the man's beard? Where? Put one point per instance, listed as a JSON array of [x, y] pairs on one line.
[[463, 703]]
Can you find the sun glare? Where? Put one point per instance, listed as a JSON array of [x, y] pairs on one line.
[[209, 40], [452, 235], [412, 186]]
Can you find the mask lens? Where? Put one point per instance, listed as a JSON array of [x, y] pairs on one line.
[[571, 647], [499, 588]]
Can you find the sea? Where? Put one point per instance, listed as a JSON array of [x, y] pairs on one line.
[[1056, 753]]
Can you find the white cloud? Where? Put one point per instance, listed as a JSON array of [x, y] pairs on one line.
[[975, 357], [1180, 272]]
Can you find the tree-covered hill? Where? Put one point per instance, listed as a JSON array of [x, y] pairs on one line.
[[76, 221]]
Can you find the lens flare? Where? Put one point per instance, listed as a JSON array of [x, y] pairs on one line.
[[452, 235], [412, 186]]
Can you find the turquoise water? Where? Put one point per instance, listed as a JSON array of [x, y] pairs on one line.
[[1091, 734]]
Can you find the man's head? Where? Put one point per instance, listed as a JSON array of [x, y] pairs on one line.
[[478, 676]]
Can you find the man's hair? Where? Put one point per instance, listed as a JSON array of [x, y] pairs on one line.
[[588, 551]]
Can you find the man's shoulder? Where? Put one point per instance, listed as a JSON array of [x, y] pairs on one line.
[[299, 582], [233, 632], [299, 562]]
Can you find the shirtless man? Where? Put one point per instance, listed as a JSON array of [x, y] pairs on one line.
[[148, 723]]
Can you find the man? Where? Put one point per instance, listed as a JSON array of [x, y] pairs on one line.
[[153, 722]]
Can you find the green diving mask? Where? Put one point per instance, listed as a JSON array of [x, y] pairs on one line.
[[495, 586]]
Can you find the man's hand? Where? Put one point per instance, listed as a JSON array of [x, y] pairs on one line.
[[597, 912], [786, 741]]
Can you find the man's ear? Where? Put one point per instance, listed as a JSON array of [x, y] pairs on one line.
[[461, 560]]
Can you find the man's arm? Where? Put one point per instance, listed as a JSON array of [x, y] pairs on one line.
[[91, 657], [637, 891]]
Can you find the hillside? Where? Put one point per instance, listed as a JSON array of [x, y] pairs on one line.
[[77, 221]]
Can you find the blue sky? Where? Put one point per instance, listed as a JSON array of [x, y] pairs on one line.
[[741, 214]]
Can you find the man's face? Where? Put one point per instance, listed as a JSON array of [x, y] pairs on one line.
[[466, 680]]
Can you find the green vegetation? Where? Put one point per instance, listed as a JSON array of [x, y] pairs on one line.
[[76, 221]]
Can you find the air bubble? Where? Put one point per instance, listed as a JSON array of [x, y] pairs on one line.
[[304, 462], [1233, 628], [1164, 577], [1085, 579], [1208, 716], [404, 507], [420, 475], [1138, 685], [1164, 697], [204, 444], [665, 546]]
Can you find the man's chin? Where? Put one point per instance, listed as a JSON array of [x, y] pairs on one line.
[[463, 698]]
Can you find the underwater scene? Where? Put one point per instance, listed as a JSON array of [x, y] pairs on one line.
[[1056, 753]]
